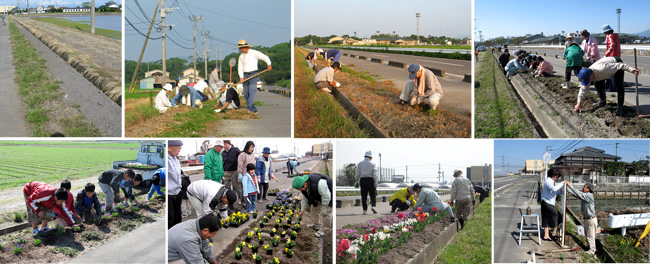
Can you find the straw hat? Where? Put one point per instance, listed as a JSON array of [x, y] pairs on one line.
[[242, 44]]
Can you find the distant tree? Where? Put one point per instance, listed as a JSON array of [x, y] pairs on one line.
[[109, 3], [85, 4], [347, 175]]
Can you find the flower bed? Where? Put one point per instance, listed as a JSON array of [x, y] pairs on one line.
[[65, 243], [392, 239], [622, 247], [281, 238], [139, 166]]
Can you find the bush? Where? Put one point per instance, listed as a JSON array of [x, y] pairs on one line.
[[18, 217], [91, 235], [284, 83]]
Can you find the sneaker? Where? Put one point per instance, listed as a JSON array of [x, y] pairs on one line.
[[414, 101], [326, 90], [599, 104], [374, 211], [564, 86], [315, 226], [198, 103], [46, 229], [365, 212], [401, 102], [35, 232], [319, 234]]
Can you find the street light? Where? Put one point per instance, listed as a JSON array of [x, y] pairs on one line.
[[380, 176]]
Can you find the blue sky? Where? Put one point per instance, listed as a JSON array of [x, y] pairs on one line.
[[516, 152], [517, 18], [366, 17], [259, 22]]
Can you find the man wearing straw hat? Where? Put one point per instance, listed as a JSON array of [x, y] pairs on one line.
[[247, 67]]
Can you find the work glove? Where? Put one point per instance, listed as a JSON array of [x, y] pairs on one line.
[[408, 202], [218, 110]]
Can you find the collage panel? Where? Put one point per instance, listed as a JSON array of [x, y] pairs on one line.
[[250, 201], [61, 66], [82, 201], [567, 76], [432, 206], [577, 201], [193, 69], [390, 72]]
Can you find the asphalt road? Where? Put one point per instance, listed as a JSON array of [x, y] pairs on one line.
[[457, 95], [274, 119], [12, 108], [463, 51], [225, 236], [643, 61], [93, 103], [143, 245], [502, 181]]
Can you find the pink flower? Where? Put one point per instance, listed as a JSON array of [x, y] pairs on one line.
[[345, 244], [419, 209]]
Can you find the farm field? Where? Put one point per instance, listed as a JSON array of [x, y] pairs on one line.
[[53, 164], [73, 144]]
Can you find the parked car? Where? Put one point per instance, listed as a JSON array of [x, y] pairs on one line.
[[482, 48]]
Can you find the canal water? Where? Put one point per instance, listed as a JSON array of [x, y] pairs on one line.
[[112, 22], [609, 205]]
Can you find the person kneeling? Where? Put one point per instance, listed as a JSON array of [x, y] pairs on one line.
[[422, 87]]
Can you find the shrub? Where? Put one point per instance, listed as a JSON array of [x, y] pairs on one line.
[[38, 242], [18, 217], [91, 235]]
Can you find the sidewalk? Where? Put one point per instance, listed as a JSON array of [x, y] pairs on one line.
[[274, 119], [11, 105]]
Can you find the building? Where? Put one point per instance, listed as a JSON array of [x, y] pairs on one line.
[[386, 174], [534, 166], [74, 9], [349, 41], [324, 148], [188, 76], [480, 174], [583, 161], [6, 9], [335, 39]]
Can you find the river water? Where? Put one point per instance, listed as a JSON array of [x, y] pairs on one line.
[[112, 22], [608, 205]]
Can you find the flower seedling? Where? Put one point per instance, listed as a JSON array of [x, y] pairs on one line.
[[21, 240], [284, 233], [296, 227], [257, 258], [18, 249], [238, 253], [294, 235], [288, 252], [272, 232], [255, 214], [249, 236], [260, 239], [76, 228], [59, 232], [106, 218], [120, 207], [290, 243], [115, 214], [269, 249], [38, 242], [274, 261], [253, 247], [275, 241], [241, 245]]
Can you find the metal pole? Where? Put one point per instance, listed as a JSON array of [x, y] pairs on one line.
[[563, 214], [636, 83], [92, 17], [205, 53], [196, 20], [137, 66], [164, 50]]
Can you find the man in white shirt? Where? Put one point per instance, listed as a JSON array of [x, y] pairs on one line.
[[324, 79], [162, 102], [248, 67]]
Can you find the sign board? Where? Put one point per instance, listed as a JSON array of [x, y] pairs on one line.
[[547, 158], [232, 62]]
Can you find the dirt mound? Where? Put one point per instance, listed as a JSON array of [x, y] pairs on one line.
[[415, 243]]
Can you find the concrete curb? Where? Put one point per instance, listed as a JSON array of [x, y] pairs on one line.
[[283, 92], [384, 198], [365, 122], [111, 89]]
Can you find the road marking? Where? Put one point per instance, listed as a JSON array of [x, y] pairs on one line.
[[380, 55], [502, 187], [453, 64], [457, 75]]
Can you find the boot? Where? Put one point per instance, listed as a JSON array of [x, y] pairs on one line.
[[462, 223], [620, 104]]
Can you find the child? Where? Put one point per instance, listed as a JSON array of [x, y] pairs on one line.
[[60, 221], [250, 187], [157, 180], [42, 201], [87, 203], [127, 189], [185, 205]]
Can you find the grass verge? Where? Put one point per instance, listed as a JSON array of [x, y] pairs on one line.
[[139, 114], [81, 25], [141, 93], [317, 114], [40, 92], [623, 250], [195, 123], [474, 243], [498, 114]]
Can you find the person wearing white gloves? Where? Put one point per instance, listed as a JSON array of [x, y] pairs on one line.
[[162, 102], [229, 98], [403, 199], [208, 195], [324, 79]]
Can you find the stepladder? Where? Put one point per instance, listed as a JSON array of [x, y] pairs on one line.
[[530, 228]]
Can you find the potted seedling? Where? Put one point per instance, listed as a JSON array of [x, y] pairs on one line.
[[265, 219], [286, 226], [269, 250], [241, 245], [269, 206], [260, 239], [275, 241], [294, 235], [277, 223], [283, 234], [288, 252], [274, 261], [238, 253], [290, 243], [254, 214], [272, 232], [257, 258], [249, 236], [296, 227], [253, 247], [261, 224]]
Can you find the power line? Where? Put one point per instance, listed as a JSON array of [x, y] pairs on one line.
[[136, 29], [241, 19]]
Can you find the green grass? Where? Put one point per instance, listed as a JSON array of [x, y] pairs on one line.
[[38, 89], [71, 252], [623, 250], [474, 243], [194, 122], [141, 112], [497, 113], [81, 25], [141, 93], [73, 144], [22, 164], [361, 75]]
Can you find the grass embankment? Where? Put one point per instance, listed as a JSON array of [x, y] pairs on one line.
[[474, 243], [498, 112], [460, 47], [141, 93], [73, 144], [42, 95], [81, 25], [317, 114], [442, 55]]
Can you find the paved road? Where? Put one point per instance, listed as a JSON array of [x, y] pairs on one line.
[[274, 119], [12, 109], [457, 95], [225, 236], [463, 51], [643, 61], [502, 181], [143, 245], [354, 214], [94, 104]]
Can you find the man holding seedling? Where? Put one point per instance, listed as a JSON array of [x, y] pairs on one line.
[[366, 177], [599, 72], [188, 241], [127, 188], [213, 163], [462, 192], [588, 209], [316, 192], [423, 86], [430, 201], [109, 182], [246, 68], [206, 195], [87, 203], [43, 202], [324, 79], [403, 199]]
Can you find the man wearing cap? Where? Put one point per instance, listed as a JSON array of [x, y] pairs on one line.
[[213, 163], [573, 62], [423, 86], [590, 46], [316, 192], [429, 199], [174, 214], [324, 79], [264, 172], [188, 242], [570, 39], [588, 209], [515, 65], [599, 72], [333, 54], [162, 102], [195, 97], [230, 154], [613, 44], [248, 67], [403, 199], [366, 177], [206, 195], [462, 192], [228, 100]]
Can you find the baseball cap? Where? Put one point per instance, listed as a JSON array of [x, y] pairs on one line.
[[413, 70], [584, 76]]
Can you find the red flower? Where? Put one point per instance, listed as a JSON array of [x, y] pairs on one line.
[[374, 230], [400, 215], [345, 244], [419, 209], [435, 209], [422, 220], [366, 237], [449, 202]]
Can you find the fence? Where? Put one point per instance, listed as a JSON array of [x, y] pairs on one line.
[[632, 179]]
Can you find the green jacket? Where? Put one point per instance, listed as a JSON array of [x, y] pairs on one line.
[[213, 166], [573, 56]]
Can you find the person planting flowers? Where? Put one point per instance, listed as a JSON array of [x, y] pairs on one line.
[[208, 195], [428, 199], [42, 200], [316, 192], [403, 199]]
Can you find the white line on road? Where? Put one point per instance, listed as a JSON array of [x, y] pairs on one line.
[[453, 64], [502, 187], [380, 55], [457, 75]]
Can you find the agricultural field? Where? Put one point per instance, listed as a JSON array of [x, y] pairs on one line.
[[22, 164], [97, 144]]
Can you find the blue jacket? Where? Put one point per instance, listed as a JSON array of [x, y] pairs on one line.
[[260, 168], [248, 185], [162, 172]]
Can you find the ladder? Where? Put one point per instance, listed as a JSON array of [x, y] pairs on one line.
[[532, 228]]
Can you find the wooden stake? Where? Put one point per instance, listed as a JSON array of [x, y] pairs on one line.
[[636, 84]]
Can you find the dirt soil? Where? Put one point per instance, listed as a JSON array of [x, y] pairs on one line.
[[415, 243], [87, 53], [605, 214], [73, 243], [377, 101]]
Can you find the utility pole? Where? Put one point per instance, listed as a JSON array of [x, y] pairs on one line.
[[28, 7], [206, 34], [407, 173], [380, 172], [196, 20], [92, 16], [216, 59], [163, 15], [146, 40], [418, 16], [618, 12], [617, 148], [438, 172]]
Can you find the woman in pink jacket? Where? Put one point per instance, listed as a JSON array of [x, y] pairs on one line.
[[590, 47]]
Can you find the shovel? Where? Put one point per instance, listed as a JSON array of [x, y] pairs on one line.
[[251, 77]]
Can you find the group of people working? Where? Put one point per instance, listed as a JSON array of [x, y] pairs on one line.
[[198, 92]]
